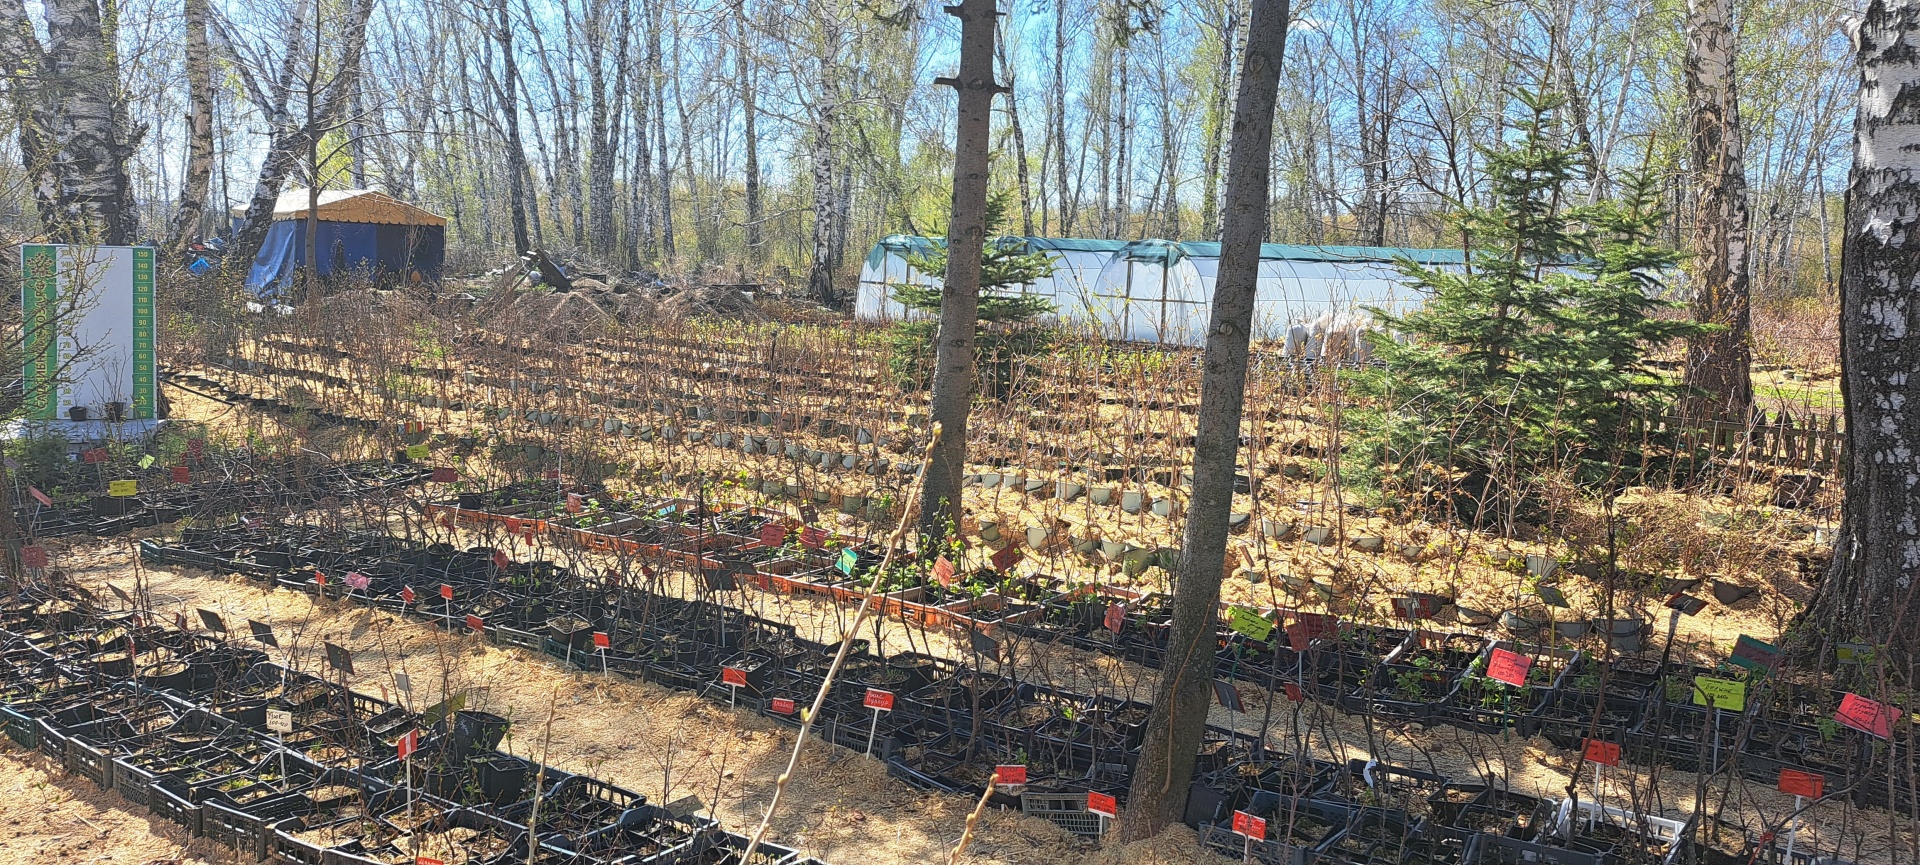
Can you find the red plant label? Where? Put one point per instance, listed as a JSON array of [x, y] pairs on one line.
[[358, 580], [1308, 627], [197, 448], [1009, 776], [1102, 804], [406, 594], [427, 860], [782, 706], [943, 571], [1508, 667], [773, 535], [1249, 826], [1798, 783], [878, 699], [513, 525], [1116, 617], [602, 641], [1867, 716], [320, 579], [93, 455], [182, 474], [445, 475], [39, 496], [34, 556], [733, 676], [1604, 753], [408, 744], [1294, 694], [446, 591], [474, 622], [813, 538], [500, 559], [553, 474]]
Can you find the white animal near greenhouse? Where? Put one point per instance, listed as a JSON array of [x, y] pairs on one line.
[[1313, 300]]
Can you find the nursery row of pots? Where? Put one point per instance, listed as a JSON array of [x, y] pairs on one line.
[[288, 767], [1410, 674], [209, 490], [1292, 810]]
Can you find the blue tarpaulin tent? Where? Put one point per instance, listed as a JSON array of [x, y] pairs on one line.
[[359, 231]]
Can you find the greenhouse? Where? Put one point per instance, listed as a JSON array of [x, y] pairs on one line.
[[1312, 298]]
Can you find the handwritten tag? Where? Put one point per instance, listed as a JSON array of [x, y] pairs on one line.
[[123, 489], [418, 452], [93, 455], [812, 537], [39, 496], [773, 535], [1007, 557], [1250, 624], [406, 594], [878, 699], [782, 706], [34, 556], [574, 504], [1604, 753], [1508, 667], [446, 592], [1116, 617], [943, 571], [1868, 716], [1249, 826], [444, 475], [280, 720], [500, 559], [733, 676], [1727, 694], [602, 641], [1102, 804], [1009, 776], [474, 623], [181, 474]]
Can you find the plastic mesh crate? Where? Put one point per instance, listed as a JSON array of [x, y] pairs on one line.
[[1067, 811]]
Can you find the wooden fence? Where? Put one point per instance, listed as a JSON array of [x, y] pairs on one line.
[[1811, 442]]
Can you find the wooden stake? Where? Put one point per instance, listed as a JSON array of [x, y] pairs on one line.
[[973, 819]]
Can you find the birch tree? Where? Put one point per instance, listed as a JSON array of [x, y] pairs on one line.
[[1719, 363], [1869, 594]]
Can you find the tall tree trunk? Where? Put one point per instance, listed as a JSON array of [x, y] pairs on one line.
[[750, 145], [507, 95], [663, 186], [96, 197], [20, 50], [1217, 124], [820, 160], [1019, 141], [606, 97], [953, 378], [1869, 592], [283, 145], [194, 185], [1718, 364], [1158, 795], [1060, 116]]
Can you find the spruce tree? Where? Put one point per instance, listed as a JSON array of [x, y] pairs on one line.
[[1530, 360]]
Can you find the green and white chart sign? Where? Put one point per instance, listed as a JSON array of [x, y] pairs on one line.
[[89, 329]]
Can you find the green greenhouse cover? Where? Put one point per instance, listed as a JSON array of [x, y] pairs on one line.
[[907, 244]]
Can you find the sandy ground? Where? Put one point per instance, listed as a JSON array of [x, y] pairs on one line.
[[51, 817]]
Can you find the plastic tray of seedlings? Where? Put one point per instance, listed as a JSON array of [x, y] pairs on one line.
[[715, 847], [1619, 833], [1486, 705], [646, 833], [573, 808], [1345, 662], [343, 817], [1415, 681]]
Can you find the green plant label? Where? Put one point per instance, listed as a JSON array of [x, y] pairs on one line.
[[1852, 653], [1249, 623], [1728, 694], [848, 561]]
